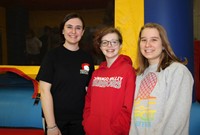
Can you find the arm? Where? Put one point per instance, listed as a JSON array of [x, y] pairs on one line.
[[86, 111], [121, 125], [177, 110], [47, 107]]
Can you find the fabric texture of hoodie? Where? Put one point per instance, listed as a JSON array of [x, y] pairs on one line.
[[109, 98]]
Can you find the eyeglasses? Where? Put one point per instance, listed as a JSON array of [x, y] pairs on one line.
[[105, 43]]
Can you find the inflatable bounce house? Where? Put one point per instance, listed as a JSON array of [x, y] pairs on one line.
[[20, 113]]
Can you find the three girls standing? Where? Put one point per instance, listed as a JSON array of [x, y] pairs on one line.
[[163, 88]]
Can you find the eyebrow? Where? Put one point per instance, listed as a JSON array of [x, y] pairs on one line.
[[110, 40], [74, 26], [151, 37]]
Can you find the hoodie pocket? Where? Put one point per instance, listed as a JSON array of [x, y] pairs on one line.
[[91, 125], [97, 125]]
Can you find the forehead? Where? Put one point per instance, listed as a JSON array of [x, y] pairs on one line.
[[110, 36], [150, 32], [74, 22]]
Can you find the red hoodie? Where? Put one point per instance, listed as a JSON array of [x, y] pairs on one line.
[[109, 99]]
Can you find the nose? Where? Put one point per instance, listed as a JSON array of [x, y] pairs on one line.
[[147, 43], [73, 30], [109, 43]]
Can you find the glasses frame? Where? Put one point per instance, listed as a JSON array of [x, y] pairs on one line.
[[113, 43]]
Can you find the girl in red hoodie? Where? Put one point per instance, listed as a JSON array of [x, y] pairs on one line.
[[110, 93]]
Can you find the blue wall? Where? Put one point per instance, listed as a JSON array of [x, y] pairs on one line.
[[177, 18]]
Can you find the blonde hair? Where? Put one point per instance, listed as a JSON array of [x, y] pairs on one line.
[[167, 57]]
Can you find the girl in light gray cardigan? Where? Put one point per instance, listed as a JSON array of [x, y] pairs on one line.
[[164, 85]]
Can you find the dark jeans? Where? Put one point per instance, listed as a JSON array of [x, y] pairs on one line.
[[70, 127]]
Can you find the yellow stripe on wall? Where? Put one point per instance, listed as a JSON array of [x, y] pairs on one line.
[[129, 17]]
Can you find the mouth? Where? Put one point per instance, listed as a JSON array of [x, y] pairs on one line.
[[72, 36], [148, 50], [110, 50]]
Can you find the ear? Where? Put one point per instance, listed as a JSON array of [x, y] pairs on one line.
[[120, 47], [83, 32]]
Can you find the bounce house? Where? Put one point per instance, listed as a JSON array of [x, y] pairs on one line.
[[18, 91]]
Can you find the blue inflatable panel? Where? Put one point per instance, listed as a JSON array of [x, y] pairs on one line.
[[195, 119], [16, 103]]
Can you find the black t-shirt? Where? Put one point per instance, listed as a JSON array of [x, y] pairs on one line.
[[65, 70]]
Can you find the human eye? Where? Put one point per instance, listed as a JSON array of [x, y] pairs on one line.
[[115, 42], [143, 40], [79, 27], [104, 43], [69, 26], [154, 39]]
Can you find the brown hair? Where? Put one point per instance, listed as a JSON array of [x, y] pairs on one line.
[[104, 31], [167, 57]]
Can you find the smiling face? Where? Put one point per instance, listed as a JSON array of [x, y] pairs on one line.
[[73, 31], [151, 45], [110, 46]]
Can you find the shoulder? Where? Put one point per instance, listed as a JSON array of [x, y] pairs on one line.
[[178, 69], [177, 66], [53, 52]]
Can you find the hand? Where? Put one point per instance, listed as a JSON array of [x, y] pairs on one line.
[[55, 131]]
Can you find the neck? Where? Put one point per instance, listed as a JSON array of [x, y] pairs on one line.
[[110, 61], [71, 47]]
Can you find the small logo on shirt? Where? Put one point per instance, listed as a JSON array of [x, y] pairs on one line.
[[85, 68]]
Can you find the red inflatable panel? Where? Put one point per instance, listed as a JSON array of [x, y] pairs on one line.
[[18, 131]]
